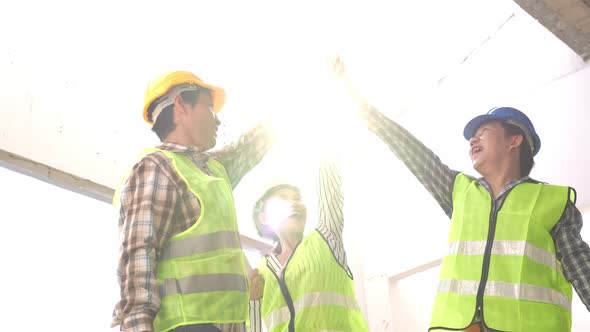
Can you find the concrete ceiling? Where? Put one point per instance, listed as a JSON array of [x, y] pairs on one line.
[[569, 20]]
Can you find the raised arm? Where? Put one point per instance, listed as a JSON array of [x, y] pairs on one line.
[[331, 203], [421, 161], [426, 166], [240, 157]]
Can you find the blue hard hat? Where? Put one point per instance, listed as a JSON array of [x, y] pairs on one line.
[[509, 115]]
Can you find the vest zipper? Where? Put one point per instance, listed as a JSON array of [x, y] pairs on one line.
[[289, 301], [486, 260], [487, 256], [286, 295]]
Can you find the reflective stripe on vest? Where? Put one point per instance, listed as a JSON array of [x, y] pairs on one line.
[[321, 290], [201, 271], [502, 260], [201, 244], [204, 283], [507, 248], [283, 315], [504, 289]]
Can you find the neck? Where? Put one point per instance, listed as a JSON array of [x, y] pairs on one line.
[[499, 180], [288, 245], [176, 137]]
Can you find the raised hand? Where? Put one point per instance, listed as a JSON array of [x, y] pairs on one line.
[[336, 65]]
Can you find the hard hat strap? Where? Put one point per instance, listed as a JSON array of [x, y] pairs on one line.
[[168, 98]]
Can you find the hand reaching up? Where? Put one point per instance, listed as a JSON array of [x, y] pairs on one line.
[[339, 71]]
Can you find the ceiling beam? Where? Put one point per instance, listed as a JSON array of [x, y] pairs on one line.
[[88, 188], [55, 176], [568, 20]]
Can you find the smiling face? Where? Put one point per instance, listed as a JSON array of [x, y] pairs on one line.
[[285, 213], [490, 147]]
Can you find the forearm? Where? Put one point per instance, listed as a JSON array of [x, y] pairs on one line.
[[240, 157], [140, 321], [573, 252], [435, 176], [331, 204], [140, 299]]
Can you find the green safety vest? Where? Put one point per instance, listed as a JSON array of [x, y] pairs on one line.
[[502, 261], [201, 272], [314, 293]]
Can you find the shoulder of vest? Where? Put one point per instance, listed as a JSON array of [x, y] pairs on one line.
[[149, 153], [215, 161], [160, 158], [316, 234], [531, 180], [464, 178], [152, 152], [156, 156], [470, 177], [572, 194], [324, 242]]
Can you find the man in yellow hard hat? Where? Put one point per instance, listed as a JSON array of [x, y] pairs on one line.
[[181, 266]]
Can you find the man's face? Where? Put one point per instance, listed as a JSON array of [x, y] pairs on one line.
[[489, 147], [200, 123], [285, 213]]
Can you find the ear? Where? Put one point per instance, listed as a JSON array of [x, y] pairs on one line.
[[516, 141], [179, 107]]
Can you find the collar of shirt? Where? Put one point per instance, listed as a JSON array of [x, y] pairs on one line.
[[191, 151], [507, 187]]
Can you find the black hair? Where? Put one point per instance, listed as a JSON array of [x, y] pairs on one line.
[[526, 152], [164, 124]]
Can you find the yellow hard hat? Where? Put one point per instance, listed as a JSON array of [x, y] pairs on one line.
[[163, 83]]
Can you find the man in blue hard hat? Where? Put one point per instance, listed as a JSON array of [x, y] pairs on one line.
[[515, 249]]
